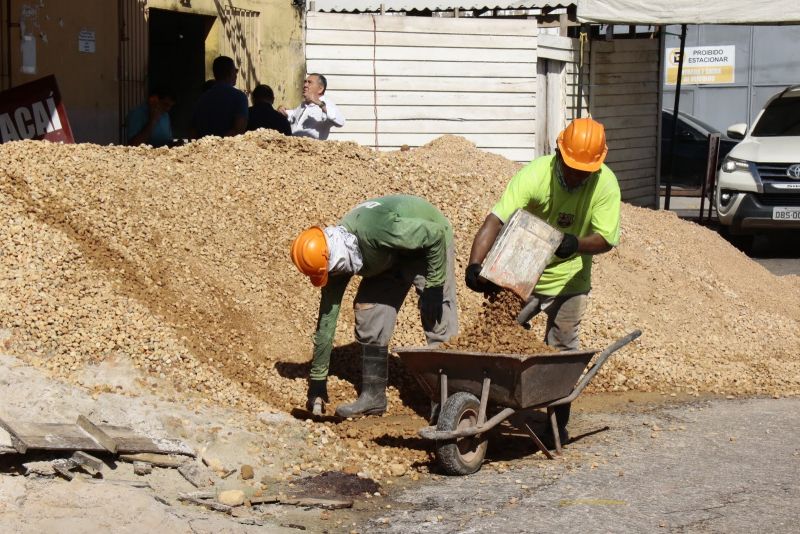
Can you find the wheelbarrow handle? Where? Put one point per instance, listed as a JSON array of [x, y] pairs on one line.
[[618, 344]]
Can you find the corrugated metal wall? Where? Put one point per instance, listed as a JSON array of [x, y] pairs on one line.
[[623, 95], [408, 80]]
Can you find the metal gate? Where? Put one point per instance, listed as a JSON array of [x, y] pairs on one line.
[[240, 40], [133, 54]]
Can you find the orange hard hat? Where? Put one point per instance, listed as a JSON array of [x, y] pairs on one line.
[[583, 145], [310, 255]]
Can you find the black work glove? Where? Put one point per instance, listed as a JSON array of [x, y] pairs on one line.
[[431, 303], [474, 282], [568, 246]]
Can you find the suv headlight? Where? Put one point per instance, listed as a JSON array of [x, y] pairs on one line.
[[732, 164]]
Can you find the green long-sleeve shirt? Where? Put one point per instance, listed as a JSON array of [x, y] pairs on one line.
[[389, 229]]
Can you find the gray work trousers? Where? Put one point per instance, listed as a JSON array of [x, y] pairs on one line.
[[379, 298], [564, 314]]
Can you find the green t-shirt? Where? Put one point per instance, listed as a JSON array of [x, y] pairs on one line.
[[591, 208], [389, 229]]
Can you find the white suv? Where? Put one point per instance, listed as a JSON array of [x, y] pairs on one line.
[[758, 184]]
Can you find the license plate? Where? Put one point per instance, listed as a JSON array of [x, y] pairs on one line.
[[786, 214]]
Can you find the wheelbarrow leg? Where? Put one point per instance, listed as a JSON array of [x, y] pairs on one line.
[[442, 389], [537, 441], [487, 382], [551, 415]]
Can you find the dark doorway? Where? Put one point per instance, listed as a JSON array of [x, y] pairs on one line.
[[177, 60]]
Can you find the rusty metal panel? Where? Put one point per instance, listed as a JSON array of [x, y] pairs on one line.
[[133, 58], [520, 253]]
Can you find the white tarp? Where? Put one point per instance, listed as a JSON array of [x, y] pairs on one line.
[[689, 11]]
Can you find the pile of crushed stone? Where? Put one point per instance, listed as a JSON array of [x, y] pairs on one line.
[[178, 260]]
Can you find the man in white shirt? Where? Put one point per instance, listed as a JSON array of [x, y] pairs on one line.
[[315, 116]]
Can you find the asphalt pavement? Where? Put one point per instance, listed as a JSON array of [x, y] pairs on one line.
[[723, 466]]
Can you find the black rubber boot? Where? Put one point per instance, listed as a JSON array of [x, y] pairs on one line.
[[317, 396], [374, 369]]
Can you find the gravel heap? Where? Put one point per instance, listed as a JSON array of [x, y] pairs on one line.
[[178, 260]]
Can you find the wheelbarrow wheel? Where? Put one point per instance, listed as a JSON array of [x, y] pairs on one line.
[[462, 456]]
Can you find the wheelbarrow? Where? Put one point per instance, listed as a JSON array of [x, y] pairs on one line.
[[467, 384]]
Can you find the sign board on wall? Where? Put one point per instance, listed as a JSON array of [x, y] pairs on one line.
[[702, 65], [34, 111], [86, 41]]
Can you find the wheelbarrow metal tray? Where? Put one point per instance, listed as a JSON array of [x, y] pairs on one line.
[[517, 380]]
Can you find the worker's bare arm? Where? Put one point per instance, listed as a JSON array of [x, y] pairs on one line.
[[485, 238], [593, 244]]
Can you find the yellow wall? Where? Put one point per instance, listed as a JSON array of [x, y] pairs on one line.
[[281, 58], [87, 80]]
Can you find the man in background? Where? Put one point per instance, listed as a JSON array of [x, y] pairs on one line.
[[263, 115], [222, 109], [149, 123], [317, 114]]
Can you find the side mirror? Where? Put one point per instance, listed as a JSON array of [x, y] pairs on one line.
[[737, 131]]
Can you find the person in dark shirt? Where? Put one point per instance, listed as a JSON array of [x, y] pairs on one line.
[[222, 109], [263, 115], [149, 123]]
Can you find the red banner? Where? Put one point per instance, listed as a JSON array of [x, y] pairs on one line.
[[34, 111]]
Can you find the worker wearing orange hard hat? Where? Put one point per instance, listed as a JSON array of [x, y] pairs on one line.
[[393, 243], [575, 192]]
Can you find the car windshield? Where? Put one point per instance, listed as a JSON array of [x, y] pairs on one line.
[[780, 118]]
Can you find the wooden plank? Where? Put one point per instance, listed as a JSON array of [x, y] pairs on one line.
[[426, 83], [212, 505], [605, 78], [639, 191], [465, 69], [639, 56], [605, 112], [466, 26], [423, 40], [428, 53], [633, 142], [629, 154], [90, 463], [455, 126], [418, 139], [57, 436], [106, 441], [558, 41], [158, 460], [645, 173], [616, 134], [619, 166], [625, 99], [624, 45], [427, 98], [19, 445], [621, 68], [637, 121], [446, 112], [625, 88], [558, 55]]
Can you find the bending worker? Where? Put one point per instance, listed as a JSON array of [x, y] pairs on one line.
[[576, 193], [392, 242]]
